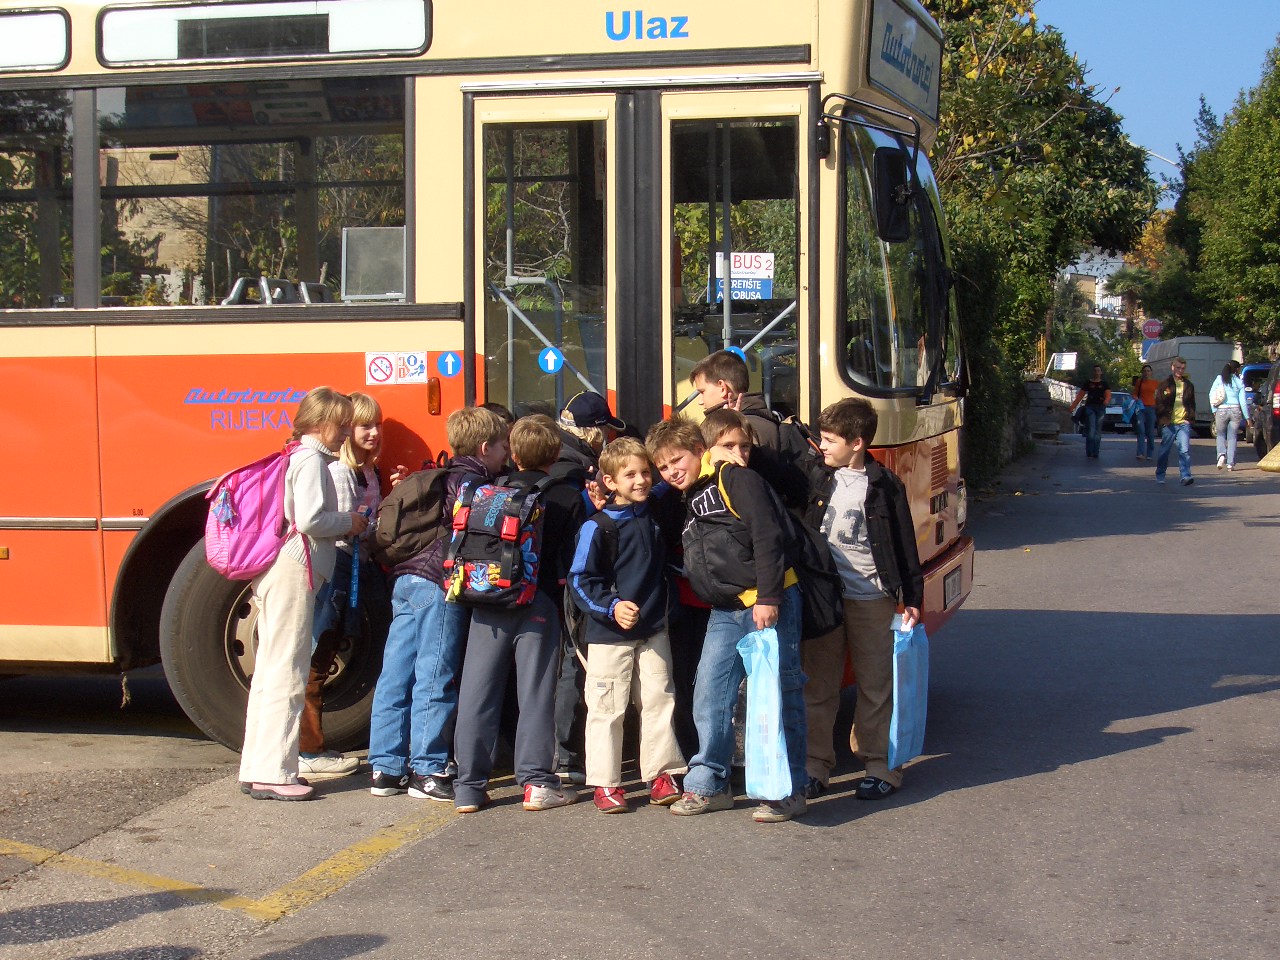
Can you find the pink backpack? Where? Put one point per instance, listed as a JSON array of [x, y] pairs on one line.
[[246, 527]]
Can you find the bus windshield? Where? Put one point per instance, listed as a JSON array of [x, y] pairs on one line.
[[896, 324]]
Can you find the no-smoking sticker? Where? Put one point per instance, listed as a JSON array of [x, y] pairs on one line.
[[379, 368]]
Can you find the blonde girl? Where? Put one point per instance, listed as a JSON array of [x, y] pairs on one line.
[[286, 596], [359, 489]]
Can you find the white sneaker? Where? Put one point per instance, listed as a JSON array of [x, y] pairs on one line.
[[780, 811], [329, 765], [537, 797], [1222, 460]]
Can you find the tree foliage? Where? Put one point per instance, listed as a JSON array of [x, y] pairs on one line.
[[1218, 268], [1033, 167]]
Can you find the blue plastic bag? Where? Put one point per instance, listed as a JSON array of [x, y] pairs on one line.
[[910, 693], [768, 771]]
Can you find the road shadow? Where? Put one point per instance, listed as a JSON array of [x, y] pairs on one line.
[[1016, 693], [334, 947], [62, 921], [95, 704], [148, 953]]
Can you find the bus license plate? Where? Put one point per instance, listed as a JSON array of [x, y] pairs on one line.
[[951, 587]]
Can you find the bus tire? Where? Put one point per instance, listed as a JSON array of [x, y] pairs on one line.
[[207, 645]]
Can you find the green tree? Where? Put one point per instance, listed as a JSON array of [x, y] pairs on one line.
[[1231, 205], [1033, 167]]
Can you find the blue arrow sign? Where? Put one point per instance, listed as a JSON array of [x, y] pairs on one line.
[[551, 360], [449, 364]]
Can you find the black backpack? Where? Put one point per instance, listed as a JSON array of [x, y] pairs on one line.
[[820, 582], [496, 549], [411, 518], [787, 468], [821, 588], [575, 618]]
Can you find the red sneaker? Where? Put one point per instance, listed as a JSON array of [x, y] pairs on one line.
[[664, 791], [611, 800]]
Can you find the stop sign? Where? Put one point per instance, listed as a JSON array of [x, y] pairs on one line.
[[1151, 329]]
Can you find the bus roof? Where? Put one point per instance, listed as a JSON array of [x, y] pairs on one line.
[[132, 42]]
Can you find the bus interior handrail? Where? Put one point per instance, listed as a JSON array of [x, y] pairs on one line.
[[529, 324]]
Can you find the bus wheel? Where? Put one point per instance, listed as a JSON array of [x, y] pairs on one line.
[[208, 642]]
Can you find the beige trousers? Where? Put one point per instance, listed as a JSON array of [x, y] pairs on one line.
[[866, 636], [286, 608], [618, 674]]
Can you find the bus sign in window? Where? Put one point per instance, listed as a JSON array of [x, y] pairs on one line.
[[264, 30], [34, 40]]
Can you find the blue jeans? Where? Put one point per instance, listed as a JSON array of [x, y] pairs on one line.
[[1169, 435], [1093, 420], [1227, 420], [1144, 427], [415, 704], [715, 694]]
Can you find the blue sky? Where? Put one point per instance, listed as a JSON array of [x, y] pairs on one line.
[[1163, 54]]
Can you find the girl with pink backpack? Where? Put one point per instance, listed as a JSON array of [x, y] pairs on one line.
[[286, 596]]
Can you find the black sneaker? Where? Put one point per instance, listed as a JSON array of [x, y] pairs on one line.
[[386, 785], [424, 786], [1188, 481], [873, 788], [814, 788]]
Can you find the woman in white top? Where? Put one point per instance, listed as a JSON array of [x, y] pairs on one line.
[[1227, 399]]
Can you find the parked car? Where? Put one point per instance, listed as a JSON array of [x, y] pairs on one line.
[[1120, 412], [1264, 415], [1253, 374]]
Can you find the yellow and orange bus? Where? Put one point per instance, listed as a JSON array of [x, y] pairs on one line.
[[207, 208]]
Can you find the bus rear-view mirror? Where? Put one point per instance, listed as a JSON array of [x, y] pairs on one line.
[[892, 195]]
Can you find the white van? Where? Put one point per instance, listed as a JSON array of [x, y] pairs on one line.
[[1205, 358]]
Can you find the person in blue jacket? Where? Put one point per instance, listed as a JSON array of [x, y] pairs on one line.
[[619, 580]]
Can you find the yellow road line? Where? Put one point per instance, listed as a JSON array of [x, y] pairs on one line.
[[41, 856], [330, 876], [322, 880]]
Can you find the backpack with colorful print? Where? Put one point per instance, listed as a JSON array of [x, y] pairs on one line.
[[494, 554]]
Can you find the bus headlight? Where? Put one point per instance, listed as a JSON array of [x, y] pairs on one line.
[[962, 504]]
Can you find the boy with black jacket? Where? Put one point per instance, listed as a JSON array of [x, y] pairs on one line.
[[862, 510], [737, 559], [782, 453], [415, 702], [619, 580]]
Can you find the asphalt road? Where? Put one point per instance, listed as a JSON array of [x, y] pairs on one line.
[[1101, 781]]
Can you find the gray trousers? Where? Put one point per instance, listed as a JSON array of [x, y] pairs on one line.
[[529, 637]]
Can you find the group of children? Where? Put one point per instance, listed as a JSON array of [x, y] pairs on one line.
[[669, 553]]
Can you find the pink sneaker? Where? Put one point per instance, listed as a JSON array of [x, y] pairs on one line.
[[281, 791]]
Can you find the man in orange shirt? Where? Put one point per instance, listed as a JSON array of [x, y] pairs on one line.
[[1144, 418]]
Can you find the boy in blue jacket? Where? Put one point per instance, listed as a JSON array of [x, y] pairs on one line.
[[618, 578]]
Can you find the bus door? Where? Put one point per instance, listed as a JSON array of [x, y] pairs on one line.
[[606, 229], [543, 229], [734, 197]]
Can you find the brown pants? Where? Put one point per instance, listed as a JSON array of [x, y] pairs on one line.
[[867, 638], [311, 730]]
